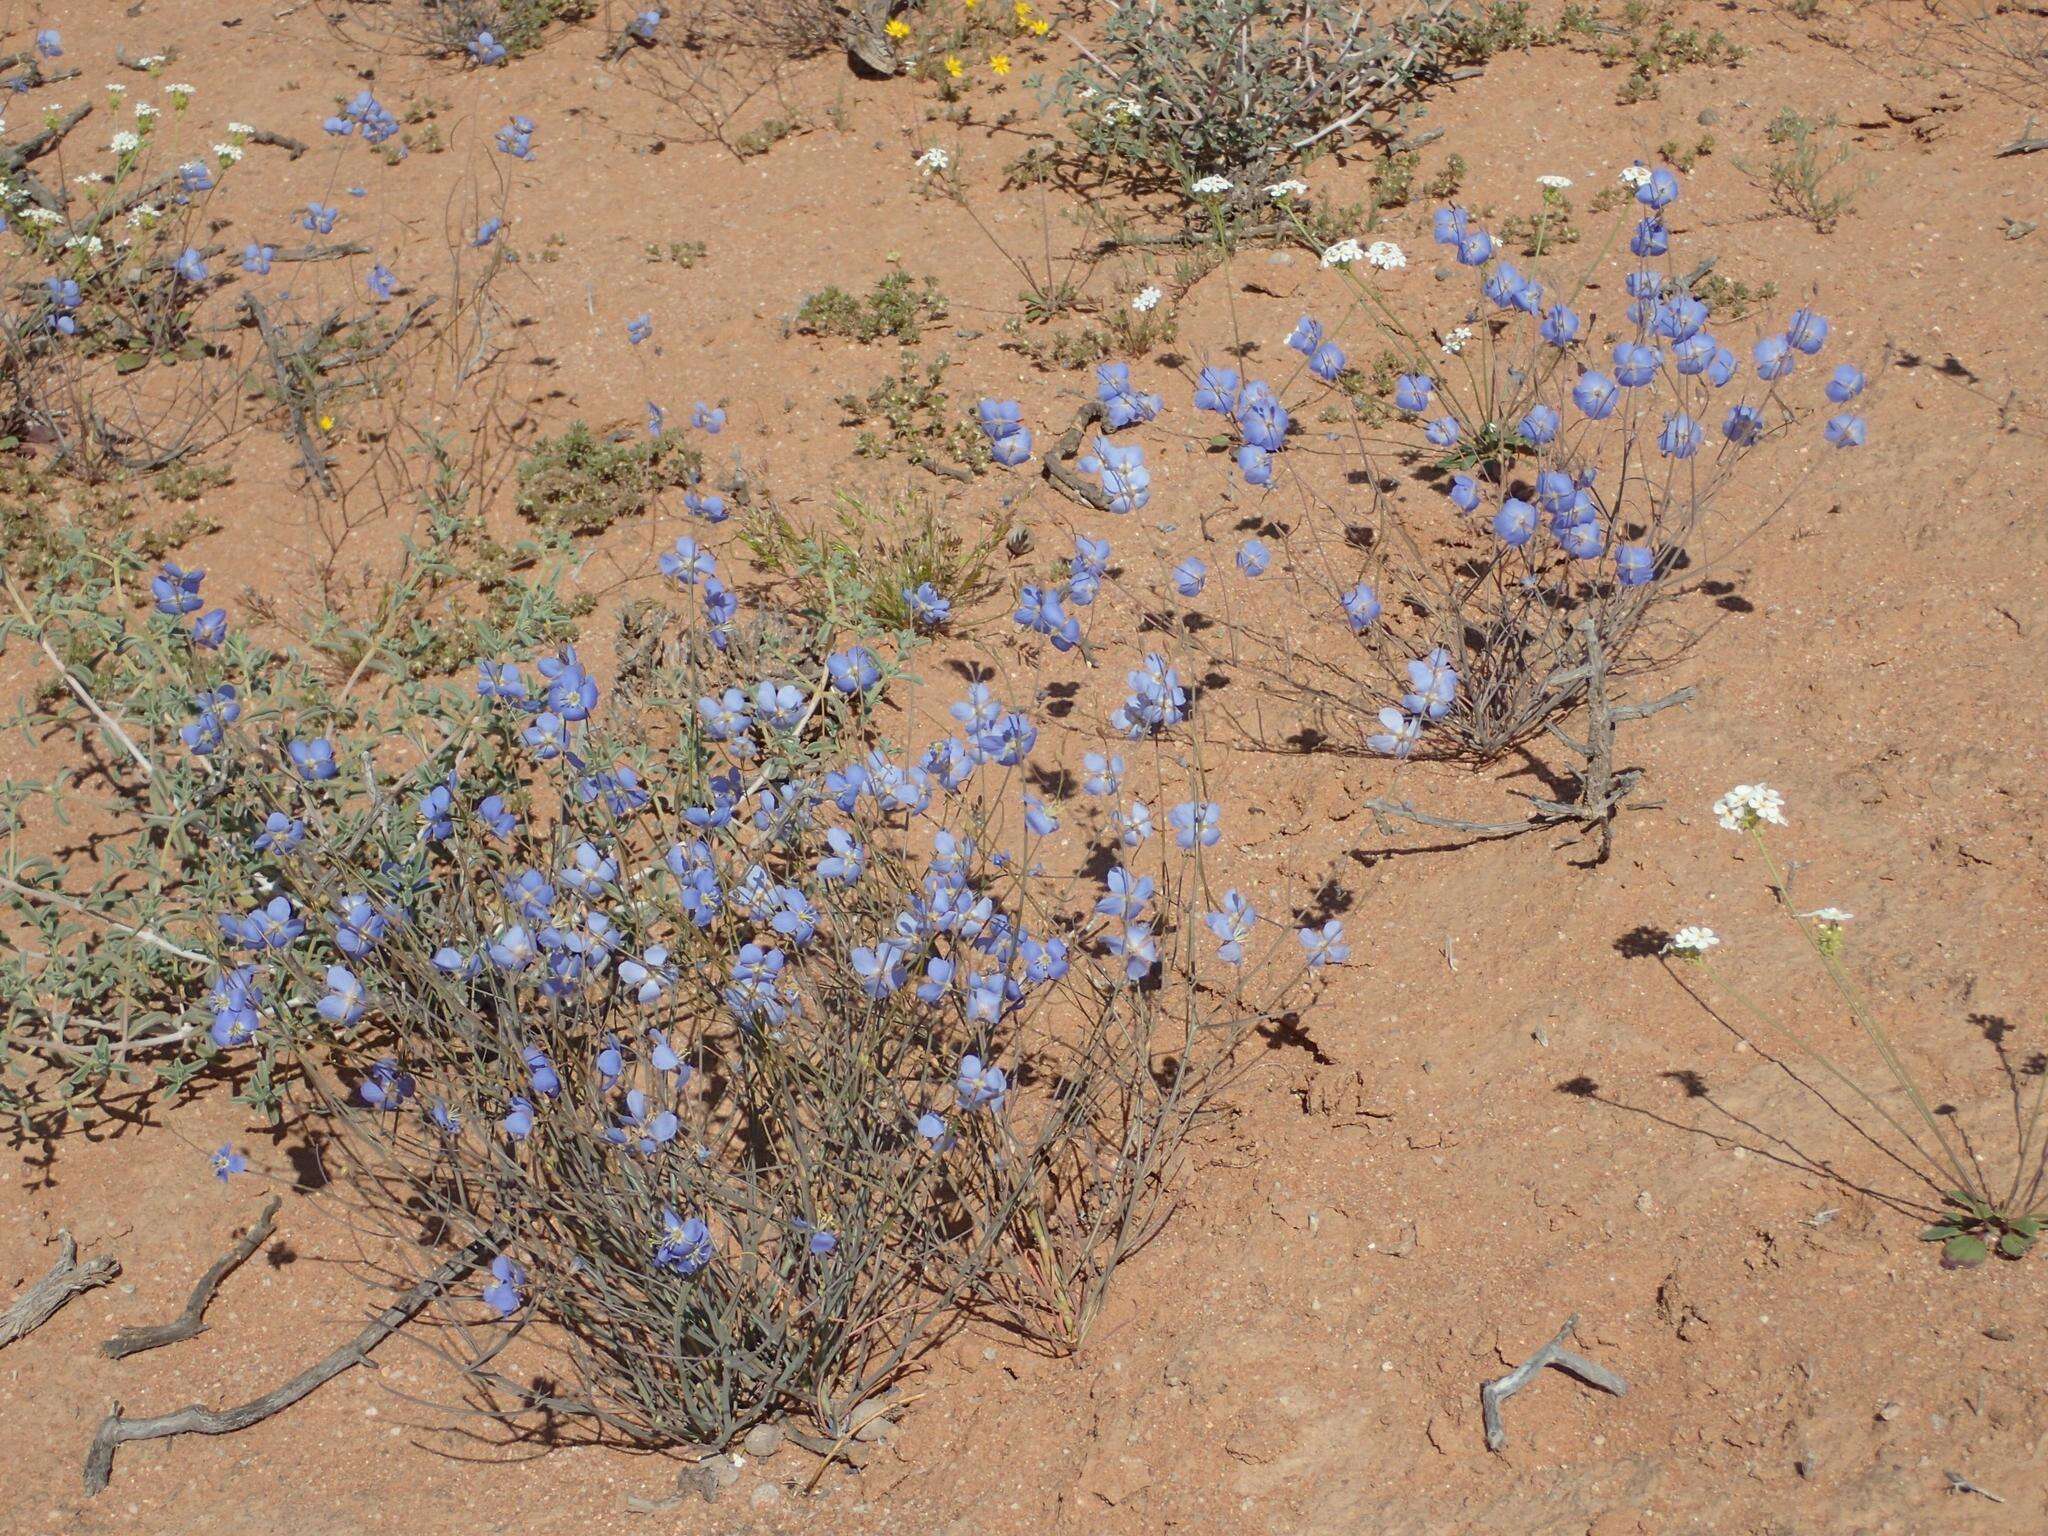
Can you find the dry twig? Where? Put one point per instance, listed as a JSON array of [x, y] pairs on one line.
[[42, 1300], [191, 1322], [1499, 1390]]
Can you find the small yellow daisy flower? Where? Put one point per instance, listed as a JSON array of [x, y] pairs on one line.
[[326, 423], [898, 28], [1038, 26], [1000, 63], [954, 67]]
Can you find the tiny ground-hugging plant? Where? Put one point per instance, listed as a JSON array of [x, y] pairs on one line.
[[897, 306], [1979, 1210], [578, 482], [1809, 176]]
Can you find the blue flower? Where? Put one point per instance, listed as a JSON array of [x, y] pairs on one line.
[[1845, 384], [1253, 557], [518, 1121], [979, 1086], [256, 258], [1743, 425], [50, 43], [1807, 331], [1464, 492], [1325, 946], [1361, 606], [344, 1003], [314, 759], [1432, 685], [1122, 406], [486, 49], [1216, 390], [933, 1130], [237, 1004], [1680, 438], [1658, 190], [1846, 430], [1634, 364], [1560, 326], [193, 176], [516, 138], [176, 590], [382, 282], [1042, 611], [1651, 238], [1538, 427], [359, 927], [320, 217], [487, 231], [853, 671], [1256, 465], [928, 610], [1475, 248], [684, 1246], [281, 834], [707, 418], [225, 1162], [1307, 335], [1442, 431], [1412, 392], [1011, 449], [1395, 738], [1190, 576], [1196, 822], [1105, 775], [1327, 362], [274, 925], [1634, 565], [190, 265], [1232, 925], [386, 1086], [639, 328], [1595, 394], [1774, 357], [1450, 225], [1515, 522], [505, 1295]]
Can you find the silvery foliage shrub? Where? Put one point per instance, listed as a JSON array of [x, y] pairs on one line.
[[754, 1050], [1241, 88]]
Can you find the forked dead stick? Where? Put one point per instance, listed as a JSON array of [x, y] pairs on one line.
[[192, 1321], [115, 1431], [1498, 1391], [41, 1301]]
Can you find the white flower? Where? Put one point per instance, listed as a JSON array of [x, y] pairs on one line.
[[1747, 804], [1124, 107], [242, 130], [1692, 940], [179, 93], [116, 89], [229, 153], [1832, 917], [152, 60], [1386, 255], [89, 179], [145, 113], [1147, 299], [1211, 186], [144, 214], [1555, 183], [42, 216], [934, 160], [90, 244], [1343, 253], [1281, 189], [125, 143], [1634, 175], [1454, 340]]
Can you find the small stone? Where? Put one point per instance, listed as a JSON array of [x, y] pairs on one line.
[[1645, 1202], [1999, 1335], [763, 1440], [1280, 259], [765, 1496], [1889, 1411], [1708, 117], [873, 1431]]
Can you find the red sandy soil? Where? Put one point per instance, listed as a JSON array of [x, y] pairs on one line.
[[1499, 1114]]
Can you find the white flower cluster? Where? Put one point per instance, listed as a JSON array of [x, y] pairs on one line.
[[1455, 339], [1555, 183], [228, 153], [1747, 804], [1829, 917], [1211, 186], [1124, 109], [125, 143], [934, 161], [1343, 253], [1693, 941], [41, 216], [90, 244], [146, 114], [1289, 188], [1386, 255], [1147, 299], [1635, 175]]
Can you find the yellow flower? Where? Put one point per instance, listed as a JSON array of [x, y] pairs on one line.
[[898, 28], [326, 423], [1039, 27], [1000, 63], [1023, 9], [954, 67], [971, 4]]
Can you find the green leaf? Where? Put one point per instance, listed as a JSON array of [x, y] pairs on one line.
[[131, 362], [2014, 1245], [1940, 1234], [2030, 1225], [1964, 1252]]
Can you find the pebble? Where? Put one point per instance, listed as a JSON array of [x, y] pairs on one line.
[[766, 1495], [1708, 116], [763, 1440]]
